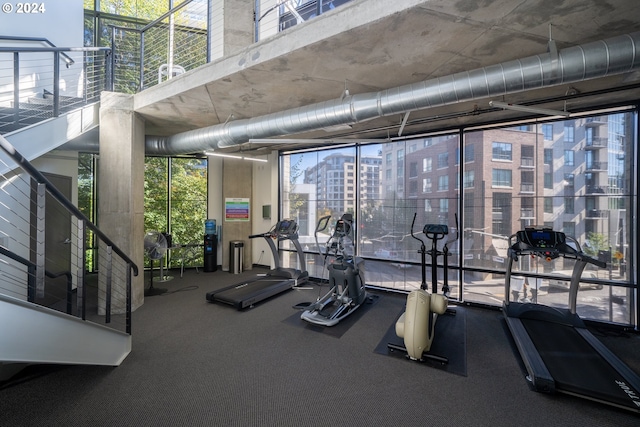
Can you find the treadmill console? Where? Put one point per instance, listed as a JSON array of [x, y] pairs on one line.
[[286, 227], [543, 242], [541, 239]]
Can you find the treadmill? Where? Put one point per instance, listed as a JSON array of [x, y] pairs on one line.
[[558, 351], [247, 293]]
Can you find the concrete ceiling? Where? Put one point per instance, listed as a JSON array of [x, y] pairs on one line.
[[370, 45]]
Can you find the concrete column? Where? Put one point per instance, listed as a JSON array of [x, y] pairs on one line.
[[231, 26], [237, 178], [121, 182]]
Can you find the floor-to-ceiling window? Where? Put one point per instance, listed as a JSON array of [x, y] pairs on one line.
[[175, 203], [577, 176], [188, 209], [87, 203]]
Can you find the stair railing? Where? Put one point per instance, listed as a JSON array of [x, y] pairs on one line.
[[41, 90], [24, 206]]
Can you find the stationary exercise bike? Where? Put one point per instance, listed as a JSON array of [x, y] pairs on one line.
[[346, 276], [416, 326]]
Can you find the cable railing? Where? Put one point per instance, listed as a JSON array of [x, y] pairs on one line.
[[174, 43], [35, 87], [187, 36], [43, 254], [273, 16]]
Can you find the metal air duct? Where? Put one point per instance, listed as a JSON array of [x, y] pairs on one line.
[[615, 55]]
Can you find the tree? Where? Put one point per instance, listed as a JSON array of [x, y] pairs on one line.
[[178, 207], [595, 244]]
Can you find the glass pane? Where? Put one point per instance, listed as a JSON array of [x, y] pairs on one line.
[[156, 195], [188, 210], [87, 204], [317, 184], [587, 198], [149, 10], [512, 178]]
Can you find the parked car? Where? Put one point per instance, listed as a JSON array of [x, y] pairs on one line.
[[391, 255], [563, 284]]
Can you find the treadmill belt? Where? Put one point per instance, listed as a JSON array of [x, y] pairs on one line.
[[253, 290], [576, 367]]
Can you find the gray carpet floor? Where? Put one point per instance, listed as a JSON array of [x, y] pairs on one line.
[[196, 363]]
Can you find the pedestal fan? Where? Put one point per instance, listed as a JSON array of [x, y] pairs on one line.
[[155, 247]]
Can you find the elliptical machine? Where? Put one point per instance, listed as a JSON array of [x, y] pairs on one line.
[[416, 326], [346, 276]]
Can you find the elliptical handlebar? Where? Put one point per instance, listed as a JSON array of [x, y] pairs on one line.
[[335, 244]]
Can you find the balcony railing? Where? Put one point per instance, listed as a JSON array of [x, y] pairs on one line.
[[595, 121], [596, 143], [39, 88], [597, 166], [527, 213], [596, 189], [174, 43], [527, 162], [273, 16], [527, 188], [597, 214]]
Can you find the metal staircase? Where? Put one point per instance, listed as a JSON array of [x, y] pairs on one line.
[[53, 311]]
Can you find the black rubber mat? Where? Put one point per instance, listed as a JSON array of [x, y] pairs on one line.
[[450, 341]]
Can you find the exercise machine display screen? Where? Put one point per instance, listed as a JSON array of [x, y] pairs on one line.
[[541, 239], [286, 227], [437, 229], [543, 242], [550, 244]]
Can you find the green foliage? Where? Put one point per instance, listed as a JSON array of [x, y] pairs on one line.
[[150, 10], [181, 207], [595, 243], [86, 201]]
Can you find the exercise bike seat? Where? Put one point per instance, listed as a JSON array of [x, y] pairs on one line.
[[413, 324]]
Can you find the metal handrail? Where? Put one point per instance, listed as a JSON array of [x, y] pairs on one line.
[[105, 80], [31, 267], [66, 58], [41, 179], [54, 49]]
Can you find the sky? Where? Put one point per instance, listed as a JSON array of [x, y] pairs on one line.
[[311, 158]]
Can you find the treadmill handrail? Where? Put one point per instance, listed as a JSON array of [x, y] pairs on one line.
[[272, 234]]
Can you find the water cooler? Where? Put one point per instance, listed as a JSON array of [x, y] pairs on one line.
[[210, 246]]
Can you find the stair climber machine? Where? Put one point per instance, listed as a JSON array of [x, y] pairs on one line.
[[266, 285], [558, 351], [417, 325], [346, 276]]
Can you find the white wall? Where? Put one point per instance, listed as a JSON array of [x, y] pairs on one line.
[[62, 22], [265, 192], [16, 216], [215, 202]]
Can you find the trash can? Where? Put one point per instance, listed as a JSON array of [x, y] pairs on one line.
[[236, 250], [210, 253]]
